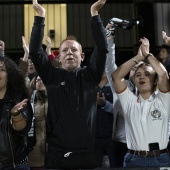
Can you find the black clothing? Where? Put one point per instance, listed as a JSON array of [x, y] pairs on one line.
[[119, 151], [12, 142], [71, 94], [104, 129], [104, 146], [104, 120]]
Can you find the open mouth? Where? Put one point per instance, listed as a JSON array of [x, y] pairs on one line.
[[141, 82]]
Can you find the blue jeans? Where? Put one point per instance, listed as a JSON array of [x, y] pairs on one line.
[[132, 160], [22, 167]]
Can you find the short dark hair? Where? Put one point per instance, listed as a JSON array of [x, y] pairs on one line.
[[165, 47]]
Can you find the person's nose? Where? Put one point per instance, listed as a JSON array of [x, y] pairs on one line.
[[142, 76], [69, 51], [30, 63]]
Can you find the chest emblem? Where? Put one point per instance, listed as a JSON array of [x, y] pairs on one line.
[[156, 114]]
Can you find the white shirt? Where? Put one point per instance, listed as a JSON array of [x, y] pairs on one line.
[[146, 121]]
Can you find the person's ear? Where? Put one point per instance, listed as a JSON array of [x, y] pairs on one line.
[[59, 58], [82, 56]]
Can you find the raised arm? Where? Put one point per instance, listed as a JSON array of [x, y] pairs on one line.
[[163, 83], [110, 65], [48, 44], [38, 8], [23, 62], [96, 7], [51, 56], [26, 49], [119, 74], [38, 56], [98, 59]]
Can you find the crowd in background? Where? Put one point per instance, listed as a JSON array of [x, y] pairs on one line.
[[56, 114]]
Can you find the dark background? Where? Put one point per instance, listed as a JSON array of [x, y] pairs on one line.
[[78, 18]]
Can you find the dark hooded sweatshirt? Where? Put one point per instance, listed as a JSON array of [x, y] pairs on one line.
[[71, 94]]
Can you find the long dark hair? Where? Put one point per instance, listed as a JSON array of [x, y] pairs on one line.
[[15, 78]]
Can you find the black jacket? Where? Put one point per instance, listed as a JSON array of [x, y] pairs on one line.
[[12, 142], [71, 94], [104, 120]]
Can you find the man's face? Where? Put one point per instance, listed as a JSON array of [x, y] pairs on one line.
[[70, 55]]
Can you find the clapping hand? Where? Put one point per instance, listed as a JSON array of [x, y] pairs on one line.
[[48, 43], [26, 49], [2, 45], [145, 46], [166, 38]]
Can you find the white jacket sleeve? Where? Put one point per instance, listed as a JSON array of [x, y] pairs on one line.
[[110, 67]]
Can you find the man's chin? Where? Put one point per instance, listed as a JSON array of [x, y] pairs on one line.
[[70, 67]]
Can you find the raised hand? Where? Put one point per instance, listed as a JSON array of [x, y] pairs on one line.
[[18, 107], [145, 46], [166, 38], [48, 43], [101, 100], [26, 49], [97, 6], [38, 8], [2, 45]]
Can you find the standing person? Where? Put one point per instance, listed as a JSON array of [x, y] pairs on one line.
[[119, 148], [104, 123], [146, 116], [71, 93], [164, 56], [15, 116], [39, 104], [167, 43]]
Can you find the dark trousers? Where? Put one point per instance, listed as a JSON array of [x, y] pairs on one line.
[[103, 146], [119, 152], [59, 160]]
